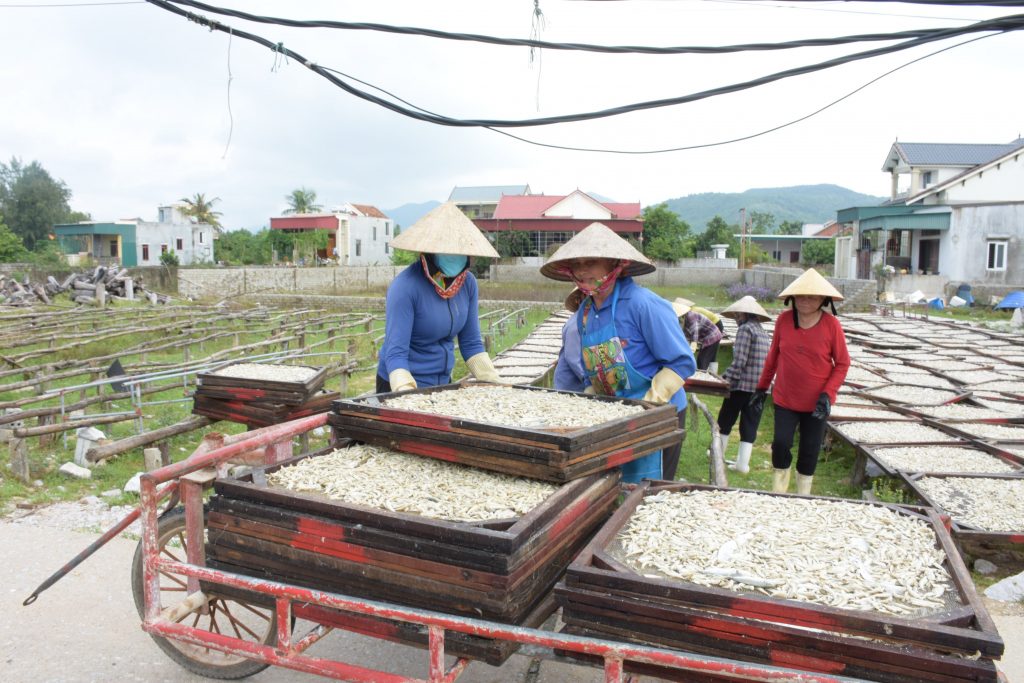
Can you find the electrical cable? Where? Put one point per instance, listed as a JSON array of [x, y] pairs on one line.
[[536, 43], [1003, 24]]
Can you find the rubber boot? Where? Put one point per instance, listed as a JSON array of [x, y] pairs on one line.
[[803, 484], [723, 441], [780, 480], [743, 458], [713, 367]]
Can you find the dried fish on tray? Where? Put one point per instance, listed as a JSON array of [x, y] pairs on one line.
[[951, 459], [266, 382], [983, 507], [991, 432], [849, 597], [914, 395], [703, 382], [501, 569], [868, 432], [521, 430]]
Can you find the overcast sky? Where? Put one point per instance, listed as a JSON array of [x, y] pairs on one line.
[[130, 105]]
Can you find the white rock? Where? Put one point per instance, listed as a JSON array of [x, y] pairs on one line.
[[1009, 589], [110, 493], [72, 470], [983, 566], [134, 485]]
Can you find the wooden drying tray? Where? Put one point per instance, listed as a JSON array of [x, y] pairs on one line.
[[960, 531], [708, 387], [1008, 458], [602, 595], [259, 413], [274, 391], [891, 401]]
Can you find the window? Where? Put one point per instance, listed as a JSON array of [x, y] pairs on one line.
[[359, 247], [387, 228], [113, 247], [794, 257], [375, 233], [163, 248], [926, 178], [387, 247], [777, 255], [179, 244], [200, 238], [145, 252], [996, 255]]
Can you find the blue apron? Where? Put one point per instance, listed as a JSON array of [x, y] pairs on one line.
[[611, 374]]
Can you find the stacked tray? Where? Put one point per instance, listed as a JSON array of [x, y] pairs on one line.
[[964, 529], [261, 402], [601, 596], [561, 454], [502, 569]]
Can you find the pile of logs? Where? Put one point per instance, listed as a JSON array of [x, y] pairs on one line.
[[94, 288]]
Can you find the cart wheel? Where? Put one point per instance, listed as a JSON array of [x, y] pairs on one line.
[[228, 615]]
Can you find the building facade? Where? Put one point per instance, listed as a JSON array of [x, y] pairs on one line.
[[358, 234]]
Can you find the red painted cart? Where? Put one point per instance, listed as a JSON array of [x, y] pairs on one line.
[[228, 626]]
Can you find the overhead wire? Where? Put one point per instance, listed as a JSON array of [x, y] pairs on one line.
[[999, 25]]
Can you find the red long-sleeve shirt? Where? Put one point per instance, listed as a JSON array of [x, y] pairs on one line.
[[805, 363]]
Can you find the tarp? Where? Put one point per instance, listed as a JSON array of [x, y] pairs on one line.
[[1012, 300]]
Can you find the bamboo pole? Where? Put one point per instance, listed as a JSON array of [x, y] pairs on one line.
[[115, 448]]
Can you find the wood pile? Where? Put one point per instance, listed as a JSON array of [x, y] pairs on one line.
[[88, 288]]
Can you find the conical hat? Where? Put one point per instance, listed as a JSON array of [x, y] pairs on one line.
[[597, 241], [748, 305], [445, 230], [681, 306], [813, 284], [573, 301]]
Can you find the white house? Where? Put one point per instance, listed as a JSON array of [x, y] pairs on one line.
[[956, 216], [358, 234]]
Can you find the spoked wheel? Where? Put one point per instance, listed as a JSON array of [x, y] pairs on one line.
[[230, 616]]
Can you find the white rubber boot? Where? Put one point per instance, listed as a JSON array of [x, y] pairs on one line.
[[743, 458], [723, 441], [780, 480], [713, 367], [803, 484]]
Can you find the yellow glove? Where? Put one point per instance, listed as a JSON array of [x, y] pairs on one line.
[[664, 385], [693, 347], [401, 380], [482, 368], [590, 390]]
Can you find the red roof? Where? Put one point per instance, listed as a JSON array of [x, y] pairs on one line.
[[371, 211], [533, 206], [830, 230], [305, 221], [555, 225]]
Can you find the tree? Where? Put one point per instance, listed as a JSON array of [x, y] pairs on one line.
[[32, 201], [302, 200], [791, 228], [169, 258], [201, 209], [11, 248], [718, 232], [512, 243], [761, 222], [819, 251], [666, 235], [241, 247]]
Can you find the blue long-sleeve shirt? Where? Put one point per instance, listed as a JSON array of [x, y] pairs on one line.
[[420, 328], [569, 372]]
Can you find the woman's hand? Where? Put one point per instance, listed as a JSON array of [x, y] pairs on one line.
[[823, 408]]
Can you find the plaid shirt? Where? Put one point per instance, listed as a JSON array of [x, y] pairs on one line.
[[699, 329], [748, 354]]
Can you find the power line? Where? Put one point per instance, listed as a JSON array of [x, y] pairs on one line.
[[1004, 24]]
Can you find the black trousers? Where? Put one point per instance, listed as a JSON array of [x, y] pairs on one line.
[[735, 406], [670, 455], [812, 434], [707, 355]]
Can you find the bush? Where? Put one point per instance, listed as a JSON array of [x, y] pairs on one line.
[[742, 289], [169, 258]]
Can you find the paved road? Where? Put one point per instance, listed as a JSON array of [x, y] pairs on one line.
[[85, 628]]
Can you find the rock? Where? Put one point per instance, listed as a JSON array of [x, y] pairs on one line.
[[72, 470], [873, 470], [90, 500], [110, 493], [134, 485], [1009, 589], [38, 483], [983, 566]]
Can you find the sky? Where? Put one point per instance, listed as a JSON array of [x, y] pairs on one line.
[[134, 107]]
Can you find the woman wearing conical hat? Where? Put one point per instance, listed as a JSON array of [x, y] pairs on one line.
[[432, 302], [632, 345], [748, 355], [700, 330], [808, 361]]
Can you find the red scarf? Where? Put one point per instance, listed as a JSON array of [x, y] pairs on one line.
[[600, 287], [438, 280]]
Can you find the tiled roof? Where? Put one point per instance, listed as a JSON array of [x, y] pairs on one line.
[[485, 193], [371, 211], [534, 206], [943, 154]]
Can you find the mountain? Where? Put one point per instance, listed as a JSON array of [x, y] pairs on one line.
[[407, 214], [802, 203]]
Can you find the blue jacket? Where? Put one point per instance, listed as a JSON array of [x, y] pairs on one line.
[[569, 372], [420, 328]]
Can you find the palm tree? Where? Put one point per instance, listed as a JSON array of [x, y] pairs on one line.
[[302, 200], [201, 208]]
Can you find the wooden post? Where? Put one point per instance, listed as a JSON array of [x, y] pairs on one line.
[[330, 335], [45, 439], [19, 460], [303, 443], [165, 453], [153, 458]]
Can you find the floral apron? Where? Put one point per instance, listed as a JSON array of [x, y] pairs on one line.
[[611, 374]]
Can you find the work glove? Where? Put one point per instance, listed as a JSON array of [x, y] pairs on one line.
[[401, 380], [756, 402], [664, 385], [822, 409], [590, 390], [482, 368]]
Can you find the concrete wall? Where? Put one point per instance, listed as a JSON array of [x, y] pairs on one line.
[[712, 275], [217, 283], [777, 279]]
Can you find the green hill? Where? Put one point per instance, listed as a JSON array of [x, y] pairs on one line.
[[802, 203]]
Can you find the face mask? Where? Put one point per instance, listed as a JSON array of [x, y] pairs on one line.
[[451, 264]]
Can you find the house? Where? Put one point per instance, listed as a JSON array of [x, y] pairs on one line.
[[135, 242], [956, 215], [357, 234], [788, 249], [551, 220], [481, 201]]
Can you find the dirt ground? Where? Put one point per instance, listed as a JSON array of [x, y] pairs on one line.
[[85, 628]]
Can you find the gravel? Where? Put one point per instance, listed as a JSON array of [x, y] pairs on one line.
[[89, 514]]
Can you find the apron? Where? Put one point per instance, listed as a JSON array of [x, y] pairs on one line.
[[611, 374]]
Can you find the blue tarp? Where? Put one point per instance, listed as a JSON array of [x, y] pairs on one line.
[[1012, 300]]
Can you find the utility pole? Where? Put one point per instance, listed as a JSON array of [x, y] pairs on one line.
[[743, 237]]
